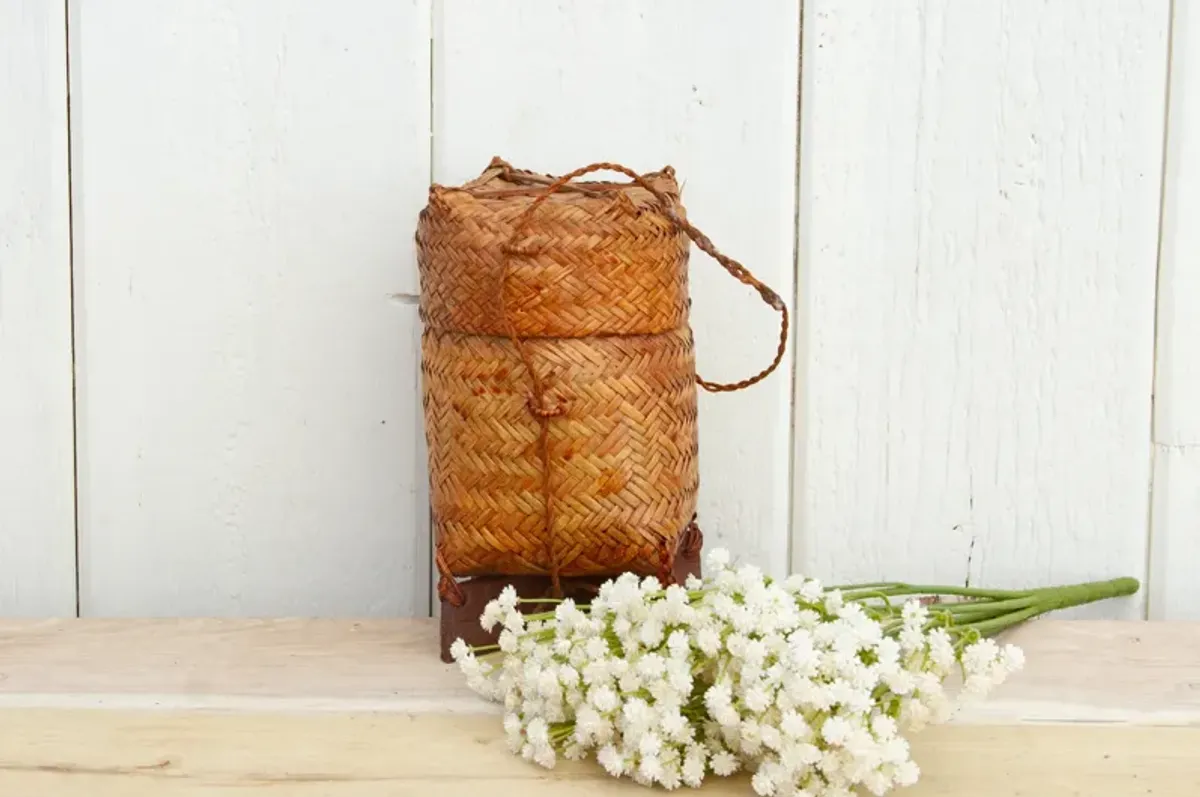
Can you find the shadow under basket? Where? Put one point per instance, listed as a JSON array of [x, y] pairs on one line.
[[462, 622]]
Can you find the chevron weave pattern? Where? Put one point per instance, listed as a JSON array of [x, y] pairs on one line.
[[596, 263], [624, 459]]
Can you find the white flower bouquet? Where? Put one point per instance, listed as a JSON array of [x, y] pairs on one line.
[[810, 689]]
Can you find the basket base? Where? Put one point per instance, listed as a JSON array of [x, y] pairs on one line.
[[462, 622]]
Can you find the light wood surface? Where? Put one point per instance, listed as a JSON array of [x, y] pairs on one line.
[[365, 709]]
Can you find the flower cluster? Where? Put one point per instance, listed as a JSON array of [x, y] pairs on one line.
[[810, 690]]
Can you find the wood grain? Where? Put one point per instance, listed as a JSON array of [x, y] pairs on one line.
[[247, 177], [364, 708], [978, 235], [696, 85], [37, 498], [1175, 535], [1095, 671], [170, 754]]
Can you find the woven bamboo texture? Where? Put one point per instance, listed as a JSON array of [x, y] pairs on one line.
[[559, 380]]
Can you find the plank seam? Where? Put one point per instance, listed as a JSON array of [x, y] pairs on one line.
[[1147, 607], [433, 605], [71, 298], [795, 462]]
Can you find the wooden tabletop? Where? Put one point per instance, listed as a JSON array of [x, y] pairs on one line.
[[365, 708]]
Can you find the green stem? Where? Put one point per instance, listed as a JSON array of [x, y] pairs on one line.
[[1079, 594], [982, 606], [995, 625], [992, 611], [1070, 595], [897, 589], [1050, 599]]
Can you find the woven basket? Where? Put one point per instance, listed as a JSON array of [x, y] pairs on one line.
[[559, 379]]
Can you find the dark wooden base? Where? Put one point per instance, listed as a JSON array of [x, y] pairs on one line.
[[462, 622]]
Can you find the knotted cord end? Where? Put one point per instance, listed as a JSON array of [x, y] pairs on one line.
[[540, 408]]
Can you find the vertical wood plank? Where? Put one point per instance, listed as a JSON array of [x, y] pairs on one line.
[[706, 88], [1175, 537], [37, 494], [247, 178], [978, 233]]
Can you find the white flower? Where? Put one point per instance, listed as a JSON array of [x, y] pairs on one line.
[[877, 783], [675, 726], [603, 698], [650, 744], [763, 783], [651, 769], [492, 615], [679, 676], [757, 699], [514, 621], [794, 725], [678, 644], [613, 762], [805, 689], [751, 737], [835, 730], [907, 773], [507, 600], [652, 665], [755, 653], [514, 733], [724, 763], [771, 737], [651, 633], [1013, 658], [568, 676], [623, 627], [979, 656], [597, 672], [537, 732], [595, 648], [718, 559], [629, 681], [637, 715], [883, 726], [718, 695], [547, 683], [692, 771], [914, 612]]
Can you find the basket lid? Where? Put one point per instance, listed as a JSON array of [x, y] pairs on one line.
[[596, 258]]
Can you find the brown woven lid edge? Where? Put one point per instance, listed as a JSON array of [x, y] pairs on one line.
[[492, 180]]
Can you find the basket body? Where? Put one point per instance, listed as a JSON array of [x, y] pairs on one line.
[[590, 291]]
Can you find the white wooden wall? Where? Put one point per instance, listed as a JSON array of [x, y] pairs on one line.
[[1174, 575], [978, 238], [37, 493], [208, 327]]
